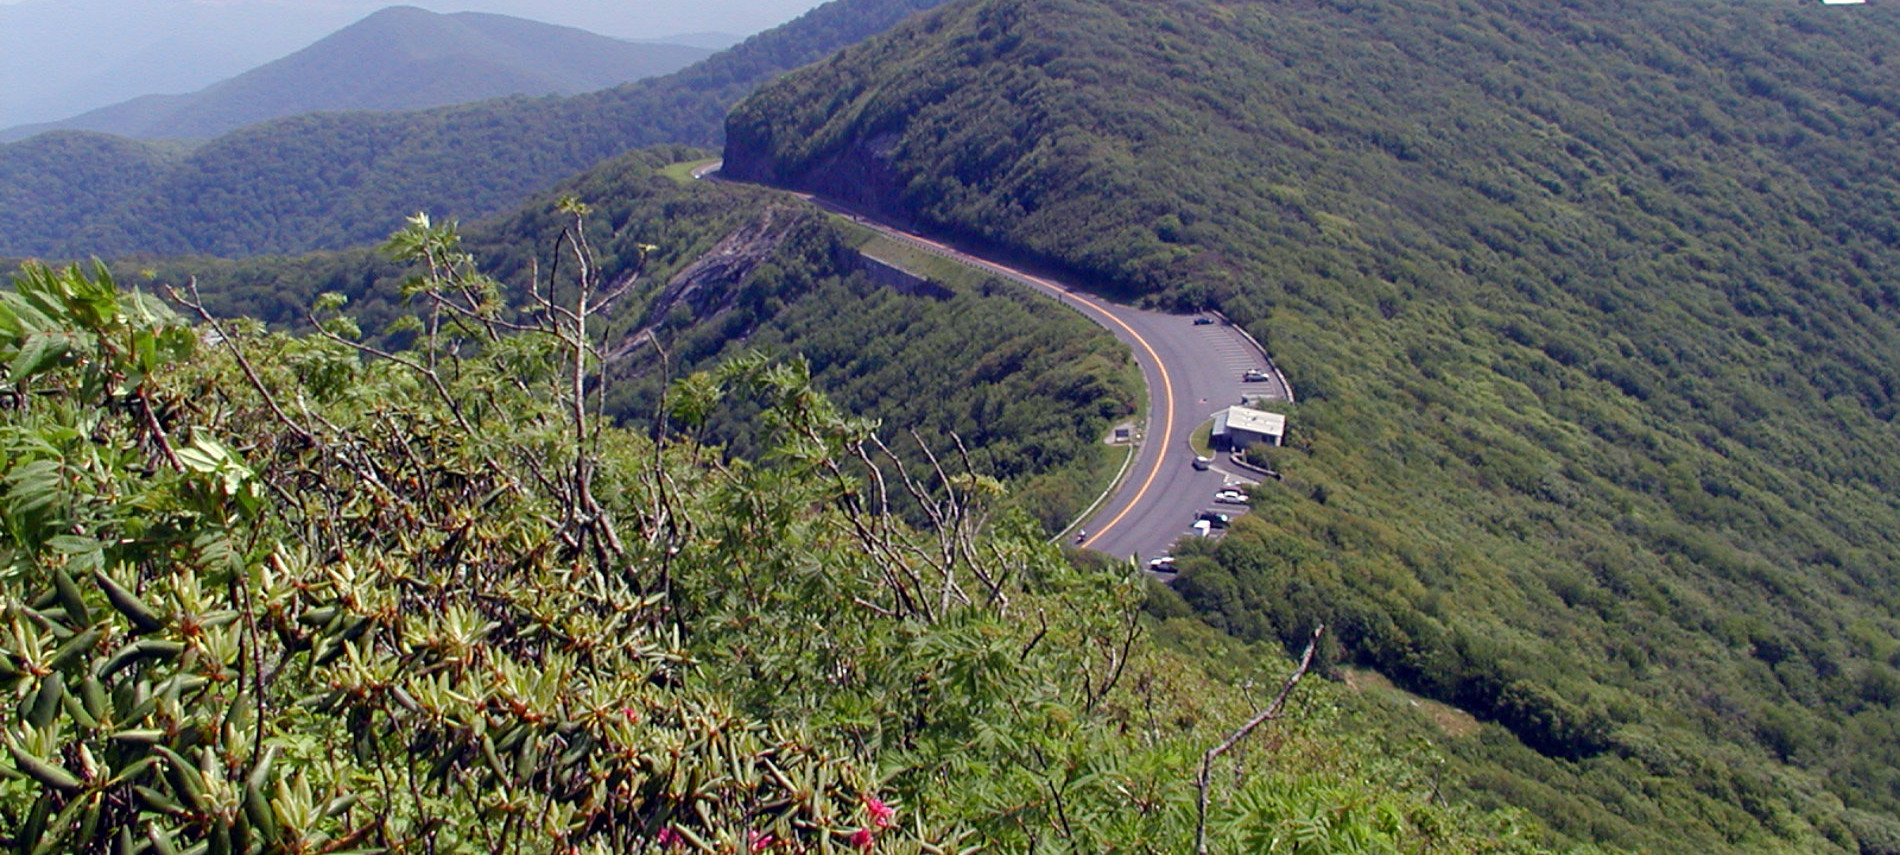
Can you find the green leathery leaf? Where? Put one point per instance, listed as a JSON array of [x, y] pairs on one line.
[[73, 647], [185, 778], [36, 817], [157, 801], [58, 831], [76, 708], [144, 619], [93, 694], [161, 840], [257, 808], [37, 352], [72, 544], [46, 701], [341, 803], [39, 769], [139, 737], [69, 597], [137, 651]]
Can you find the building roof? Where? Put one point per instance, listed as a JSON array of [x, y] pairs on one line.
[[1251, 421]]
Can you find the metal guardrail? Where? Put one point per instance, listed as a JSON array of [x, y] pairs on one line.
[[1128, 462], [1277, 373]]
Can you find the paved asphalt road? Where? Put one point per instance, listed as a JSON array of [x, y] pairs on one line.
[[1192, 372]]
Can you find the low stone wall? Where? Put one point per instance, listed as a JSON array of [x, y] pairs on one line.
[[900, 280]]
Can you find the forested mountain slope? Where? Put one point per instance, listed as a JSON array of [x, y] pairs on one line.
[[1027, 386], [1591, 310], [325, 181], [298, 600], [401, 58], [345, 588]]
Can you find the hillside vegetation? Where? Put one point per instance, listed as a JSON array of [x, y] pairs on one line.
[[401, 58], [299, 593], [1029, 388], [327, 181], [1591, 312]]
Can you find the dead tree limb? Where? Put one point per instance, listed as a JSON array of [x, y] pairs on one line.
[[1269, 714]]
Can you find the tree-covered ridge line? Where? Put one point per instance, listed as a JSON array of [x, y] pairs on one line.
[[1587, 306], [336, 180], [272, 592]]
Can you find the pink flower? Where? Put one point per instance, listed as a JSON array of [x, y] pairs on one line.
[[882, 815], [668, 838], [863, 838], [761, 840]]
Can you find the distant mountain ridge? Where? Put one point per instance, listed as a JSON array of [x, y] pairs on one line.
[[331, 180], [400, 58]]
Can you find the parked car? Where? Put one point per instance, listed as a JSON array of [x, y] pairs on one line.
[[1201, 463], [1216, 519], [1203, 528], [1255, 375], [1203, 321], [1232, 497], [1164, 564]]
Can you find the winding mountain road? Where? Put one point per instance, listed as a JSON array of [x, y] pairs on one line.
[[1192, 371]]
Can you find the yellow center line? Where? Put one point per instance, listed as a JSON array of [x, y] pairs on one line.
[[1167, 382], [1167, 430]]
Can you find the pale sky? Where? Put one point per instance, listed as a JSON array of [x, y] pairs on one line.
[[639, 18]]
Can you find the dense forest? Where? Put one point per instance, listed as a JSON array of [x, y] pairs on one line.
[[330, 181], [324, 592], [1591, 311]]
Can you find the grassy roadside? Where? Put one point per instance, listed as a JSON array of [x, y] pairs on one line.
[[682, 173]]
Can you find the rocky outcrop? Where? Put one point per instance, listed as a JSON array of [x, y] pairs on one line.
[[711, 284], [706, 284], [860, 173]]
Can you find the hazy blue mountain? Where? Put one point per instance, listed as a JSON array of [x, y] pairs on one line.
[[329, 180], [713, 41], [400, 58], [60, 58]]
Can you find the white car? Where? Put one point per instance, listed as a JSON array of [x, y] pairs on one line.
[[1164, 564], [1203, 528], [1232, 497], [1255, 375]]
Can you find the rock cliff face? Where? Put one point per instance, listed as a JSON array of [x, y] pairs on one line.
[[713, 284], [860, 173], [710, 284]]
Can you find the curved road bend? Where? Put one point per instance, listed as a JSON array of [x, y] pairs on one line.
[[1192, 371]]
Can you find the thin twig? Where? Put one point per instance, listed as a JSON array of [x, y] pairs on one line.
[[196, 304], [1270, 713]]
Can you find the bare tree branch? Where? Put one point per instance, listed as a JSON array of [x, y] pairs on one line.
[[1269, 714]]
